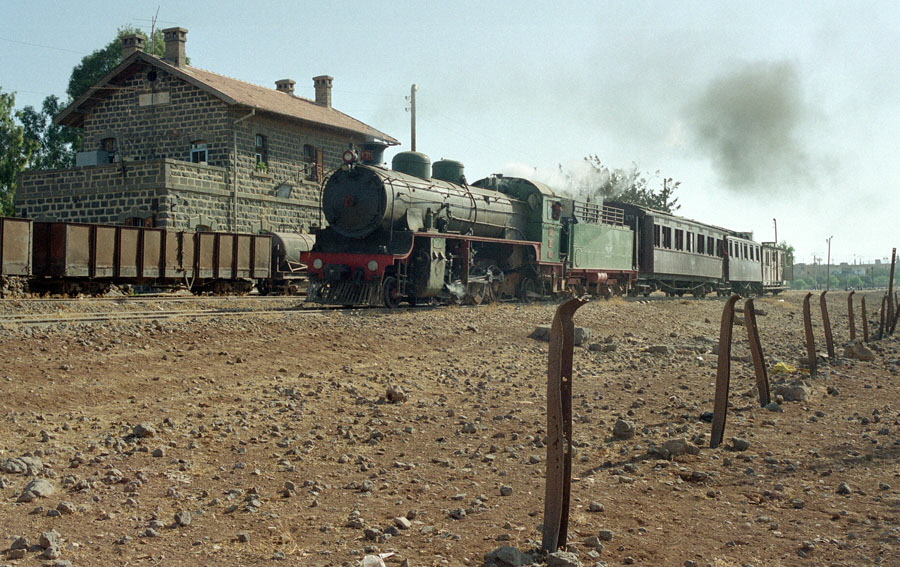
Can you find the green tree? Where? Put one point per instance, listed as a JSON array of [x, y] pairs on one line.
[[799, 283], [854, 281], [98, 64], [15, 150], [54, 144], [630, 186]]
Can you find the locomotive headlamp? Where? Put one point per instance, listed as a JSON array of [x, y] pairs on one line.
[[317, 263], [350, 157], [372, 265]]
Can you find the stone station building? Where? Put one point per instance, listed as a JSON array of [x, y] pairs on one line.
[[174, 146]]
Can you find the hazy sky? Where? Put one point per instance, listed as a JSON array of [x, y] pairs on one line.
[[762, 110]]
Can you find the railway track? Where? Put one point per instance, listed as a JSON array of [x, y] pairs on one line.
[[71, 311]]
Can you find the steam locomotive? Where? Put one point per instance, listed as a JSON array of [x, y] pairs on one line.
[[418, 232]]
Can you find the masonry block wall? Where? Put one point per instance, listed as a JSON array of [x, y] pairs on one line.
[[159, 118], [176, 194]]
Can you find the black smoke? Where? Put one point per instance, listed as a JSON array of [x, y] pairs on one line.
[[749, 122]]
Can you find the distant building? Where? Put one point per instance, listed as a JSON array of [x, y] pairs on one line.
[[174, 146]]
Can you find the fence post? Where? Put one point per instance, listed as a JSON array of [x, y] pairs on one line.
[[759, 361], [865, 319], [559, 427], [810, 341], [723, 373], [826, 323], [850, 316]]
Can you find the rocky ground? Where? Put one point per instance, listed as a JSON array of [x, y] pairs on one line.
[[319, 439]]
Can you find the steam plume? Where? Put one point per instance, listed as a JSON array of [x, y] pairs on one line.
[[748, 121]]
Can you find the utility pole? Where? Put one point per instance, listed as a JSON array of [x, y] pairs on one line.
[[412, 112], [775, 222], [828, 270]]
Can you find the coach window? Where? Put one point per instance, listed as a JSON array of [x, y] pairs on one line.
[[667, 237], [700, 242], [689, 245], [710, 245], [679, 239], [657, 232], [199, 151]]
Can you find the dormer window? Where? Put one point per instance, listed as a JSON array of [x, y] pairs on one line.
[[199, 151]]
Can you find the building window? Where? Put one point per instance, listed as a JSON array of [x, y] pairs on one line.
[[108, 145], [262, 153], [139, 221], [199, 151]]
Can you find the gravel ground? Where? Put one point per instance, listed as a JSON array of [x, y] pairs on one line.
[[318, 439]]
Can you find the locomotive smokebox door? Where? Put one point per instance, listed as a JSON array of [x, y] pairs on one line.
[[429, 266]]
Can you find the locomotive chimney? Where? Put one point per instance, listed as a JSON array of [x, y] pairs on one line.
[[132, 43], [175, 39], [323, 90], [285, 86]]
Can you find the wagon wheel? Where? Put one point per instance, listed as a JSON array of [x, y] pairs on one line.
[[390, 292]]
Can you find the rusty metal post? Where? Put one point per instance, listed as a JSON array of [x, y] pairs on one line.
[[865, 318], [810, 341], [890, 306], [559, 427], [850, 316], [884, 301], [896, 314], [723, 373], [759, 361], [826, 323]]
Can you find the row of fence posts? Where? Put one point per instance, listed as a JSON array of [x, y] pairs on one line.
[[888, 322], [559, 387]]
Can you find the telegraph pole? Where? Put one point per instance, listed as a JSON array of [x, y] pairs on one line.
[[412, 112]]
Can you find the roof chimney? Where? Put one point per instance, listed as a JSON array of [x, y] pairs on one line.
[[175, 39], [285, 86], [132, 43], [323, 90]]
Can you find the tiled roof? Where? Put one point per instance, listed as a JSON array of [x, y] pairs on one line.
[[231, 91]]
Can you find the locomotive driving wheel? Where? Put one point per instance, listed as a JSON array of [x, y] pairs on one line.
[[530, 290], [476, 293], [390, 292]]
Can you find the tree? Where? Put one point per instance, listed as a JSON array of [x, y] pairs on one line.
[[788, 253], [54, 145], [98, 64], [799, 283], [15, 150], [631, 186]]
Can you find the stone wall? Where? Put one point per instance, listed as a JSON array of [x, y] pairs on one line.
[[173, 193], [162, 129]]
